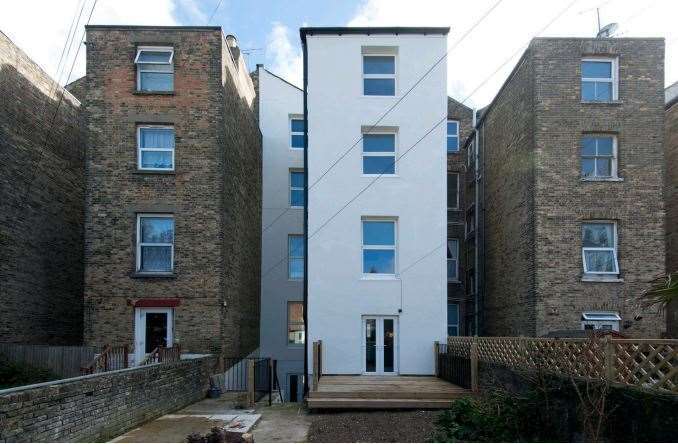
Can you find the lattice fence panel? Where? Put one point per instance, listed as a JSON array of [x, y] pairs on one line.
[[646, 363]]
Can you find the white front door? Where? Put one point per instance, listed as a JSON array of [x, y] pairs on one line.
[[380, 345], [153, 328]]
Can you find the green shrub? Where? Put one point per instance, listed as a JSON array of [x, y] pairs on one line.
[[14, 374]]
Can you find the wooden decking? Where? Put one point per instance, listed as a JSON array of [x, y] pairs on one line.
[[383, 392]]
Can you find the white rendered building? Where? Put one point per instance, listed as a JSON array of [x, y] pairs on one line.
[[376, 293]]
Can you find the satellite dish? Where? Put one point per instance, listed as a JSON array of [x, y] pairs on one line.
[[607, 31]]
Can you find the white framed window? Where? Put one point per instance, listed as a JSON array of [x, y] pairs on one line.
[[379, 153], [295, 256], [599, 156], [155, 68], [599, 248], [452, 191], [452, 136], [155, 147], [297, 133], [155, 243], [453, 260], [295, 323], [599, 79], [297, 189], [452, 319], [379, 75], [600, 320], [379, 246]]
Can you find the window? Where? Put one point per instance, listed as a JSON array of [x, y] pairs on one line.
[[379, 153], [297, 133], [295, 323], [453, 260], [452, 191], [470, 221], [295, 249], [452, 319], [296, 189], [155, 243], [600, 320], [155, 148], [599, 249], [155, 68], [379, 75], [379, 246], [452, 136], [599, 157], [599, 80]]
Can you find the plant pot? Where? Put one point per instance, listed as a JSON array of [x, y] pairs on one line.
[[214, 392]]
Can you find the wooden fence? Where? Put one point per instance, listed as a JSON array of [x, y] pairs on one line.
[[644, 363], [63, 361]]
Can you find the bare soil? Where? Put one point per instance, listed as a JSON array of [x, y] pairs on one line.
[[372, 426]]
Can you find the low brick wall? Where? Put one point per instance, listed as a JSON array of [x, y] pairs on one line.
[[102, 406]]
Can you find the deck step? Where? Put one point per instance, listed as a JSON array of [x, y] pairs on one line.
[[382, 394], [377, 403]]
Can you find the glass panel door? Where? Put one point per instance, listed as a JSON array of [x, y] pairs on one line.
[[370, 345], [380, 345]]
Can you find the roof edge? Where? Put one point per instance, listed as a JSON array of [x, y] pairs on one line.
[[261, 65], [149, 27], [369, 30]]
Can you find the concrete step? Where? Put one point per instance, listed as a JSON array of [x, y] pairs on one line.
[[377, 403]]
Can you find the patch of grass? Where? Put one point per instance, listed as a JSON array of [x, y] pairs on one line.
[[14, 374]]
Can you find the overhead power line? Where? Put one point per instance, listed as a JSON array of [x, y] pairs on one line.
[[392, 107], [388, 167]]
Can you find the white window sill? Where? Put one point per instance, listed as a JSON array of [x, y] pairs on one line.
[[453, 281], [363, 96], [379, 277], [381, 175], [296, 208], [296, 280], [297, 149], [602, 179], [613, 278], [600, 102]]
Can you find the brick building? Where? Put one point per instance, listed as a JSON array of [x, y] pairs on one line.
[[459, 127], [41, 205], [671, 193], [570, 213], [173, 192]]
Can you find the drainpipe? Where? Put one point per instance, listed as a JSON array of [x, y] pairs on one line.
[[305, 58], [476, 258]]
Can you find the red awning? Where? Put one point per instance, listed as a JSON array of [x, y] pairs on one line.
[[154, 302]]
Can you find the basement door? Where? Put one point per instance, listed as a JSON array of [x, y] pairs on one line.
[[380, 345], [154, 327]]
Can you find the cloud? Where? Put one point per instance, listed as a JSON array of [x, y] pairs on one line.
[[40, 27], [285, 56], [509, 28]]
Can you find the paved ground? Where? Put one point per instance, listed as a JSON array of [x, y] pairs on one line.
[[282, 423], [199, 417], [372, 426]]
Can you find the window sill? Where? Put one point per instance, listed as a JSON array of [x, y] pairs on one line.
[[296, 346], [296, 280], [142, 275], [611, 278], [296, 208], [382, 175], [592, 102], [603, 179], [450, 281], [137, 92], [155, 172], [363, 96], [380, 277]]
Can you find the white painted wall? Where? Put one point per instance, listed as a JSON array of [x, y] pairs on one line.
[[339, 295], [278, 100]]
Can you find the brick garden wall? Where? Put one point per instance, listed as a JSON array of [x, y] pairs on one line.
[[103, 406], [41, 205]]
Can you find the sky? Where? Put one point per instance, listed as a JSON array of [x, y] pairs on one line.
[[268, 30]]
